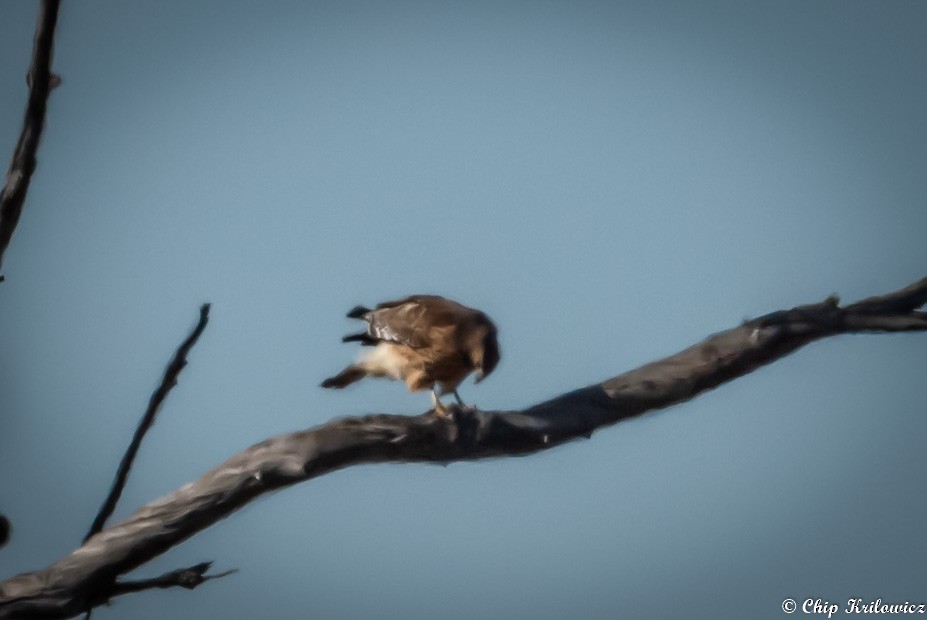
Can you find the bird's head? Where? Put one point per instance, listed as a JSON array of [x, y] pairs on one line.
[[484, 354]]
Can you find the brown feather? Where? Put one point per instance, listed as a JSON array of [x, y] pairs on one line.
[[423, 340], [345, 378]]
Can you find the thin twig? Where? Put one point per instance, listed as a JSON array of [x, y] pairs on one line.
[[41, 81], [169, 381], [188, 578]]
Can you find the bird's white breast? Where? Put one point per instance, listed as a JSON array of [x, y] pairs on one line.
[[384, 360]]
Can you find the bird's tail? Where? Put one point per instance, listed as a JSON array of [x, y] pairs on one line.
[[345, 378], [358, 312], [361, 337]]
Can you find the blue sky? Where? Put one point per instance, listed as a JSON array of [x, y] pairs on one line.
[[610, 181]]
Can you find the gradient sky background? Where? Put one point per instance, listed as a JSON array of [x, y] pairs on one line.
[[609, 181]]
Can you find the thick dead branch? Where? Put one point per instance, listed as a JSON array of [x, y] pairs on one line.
[[75, 582], [41, 81], [171, 373]]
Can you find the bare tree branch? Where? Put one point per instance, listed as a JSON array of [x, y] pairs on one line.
[[75, 582], [41, 81], [4, 530], [171, 373], [188, 578]]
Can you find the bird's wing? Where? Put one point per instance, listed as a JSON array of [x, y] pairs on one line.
[[412, 321]]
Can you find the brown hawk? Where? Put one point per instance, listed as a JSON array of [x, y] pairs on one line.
[[425, 340]]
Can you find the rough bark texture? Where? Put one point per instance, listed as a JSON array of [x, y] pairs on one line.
[[41, 81], [88, 576]]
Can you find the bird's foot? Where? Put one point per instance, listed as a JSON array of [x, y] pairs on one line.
[[442, 411], [440, 408], [462, 406]]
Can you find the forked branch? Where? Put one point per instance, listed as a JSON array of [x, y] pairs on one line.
[[75, 582]]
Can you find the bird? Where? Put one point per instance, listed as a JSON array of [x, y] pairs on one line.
[[428, 341]]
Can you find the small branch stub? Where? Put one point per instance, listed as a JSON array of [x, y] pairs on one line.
[[5, 530]]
